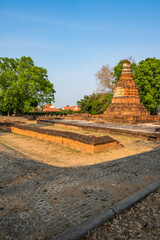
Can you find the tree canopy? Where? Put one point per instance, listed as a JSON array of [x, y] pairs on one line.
[[95, 103], [147, 77], [23, 85]]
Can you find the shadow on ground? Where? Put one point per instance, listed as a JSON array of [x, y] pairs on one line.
[[38, 200]]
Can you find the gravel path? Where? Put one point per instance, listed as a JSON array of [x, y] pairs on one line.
[[140, 222]]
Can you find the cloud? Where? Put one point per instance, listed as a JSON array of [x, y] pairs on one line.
[[81, 26]]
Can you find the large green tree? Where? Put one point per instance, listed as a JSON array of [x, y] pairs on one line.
[[23, 85], [147, 77]]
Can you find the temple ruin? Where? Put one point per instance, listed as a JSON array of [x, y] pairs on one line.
[[126, 100]]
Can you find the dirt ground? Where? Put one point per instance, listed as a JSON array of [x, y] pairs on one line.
[[140, 222], [62, 156]]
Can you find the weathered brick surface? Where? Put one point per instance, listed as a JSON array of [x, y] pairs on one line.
[[86, 143], [126, 99], [113, 128], [39, 201], [128, 119]]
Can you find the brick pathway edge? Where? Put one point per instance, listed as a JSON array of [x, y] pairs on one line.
[[106, 214]]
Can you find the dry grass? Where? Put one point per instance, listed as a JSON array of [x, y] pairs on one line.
[[70, 129]]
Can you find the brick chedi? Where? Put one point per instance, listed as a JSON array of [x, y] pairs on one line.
[[126, 99]]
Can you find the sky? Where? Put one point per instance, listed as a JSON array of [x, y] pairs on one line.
[[73, 39]]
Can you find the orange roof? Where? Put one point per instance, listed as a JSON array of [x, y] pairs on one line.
[[73, 108], [51, 110], [47, 105]]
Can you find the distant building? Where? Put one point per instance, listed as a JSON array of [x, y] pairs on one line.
[[50, 108], [73, 108]]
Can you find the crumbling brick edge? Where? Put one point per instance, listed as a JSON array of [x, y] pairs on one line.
[[80, 142], [125, 132], [106, 214], [87, 139]]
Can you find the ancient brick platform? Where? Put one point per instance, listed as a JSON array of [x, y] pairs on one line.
[[128, 119], [120, 119], [143, 131], [85, 143]]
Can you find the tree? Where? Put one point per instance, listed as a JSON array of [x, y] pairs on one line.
[[23, 85], [147, 77], [104, 78], [107, 101], [86, 103], [95, 103]]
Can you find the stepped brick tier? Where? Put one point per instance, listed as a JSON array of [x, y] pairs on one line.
[[126, 99], [85, 143], [149, 132]]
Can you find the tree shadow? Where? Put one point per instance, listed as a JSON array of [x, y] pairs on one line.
[[44, 200]]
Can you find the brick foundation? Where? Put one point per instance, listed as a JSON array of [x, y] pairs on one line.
[[89, 144], [154, 136]]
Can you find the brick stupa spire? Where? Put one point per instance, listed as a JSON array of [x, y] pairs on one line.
[[126, 99]]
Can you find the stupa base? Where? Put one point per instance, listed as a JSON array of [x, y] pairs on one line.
[[127, 109], [129, 119]]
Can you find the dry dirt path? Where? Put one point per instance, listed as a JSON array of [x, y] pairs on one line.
[[39, 200]]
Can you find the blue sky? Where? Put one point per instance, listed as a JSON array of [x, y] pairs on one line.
[[73, 39]]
